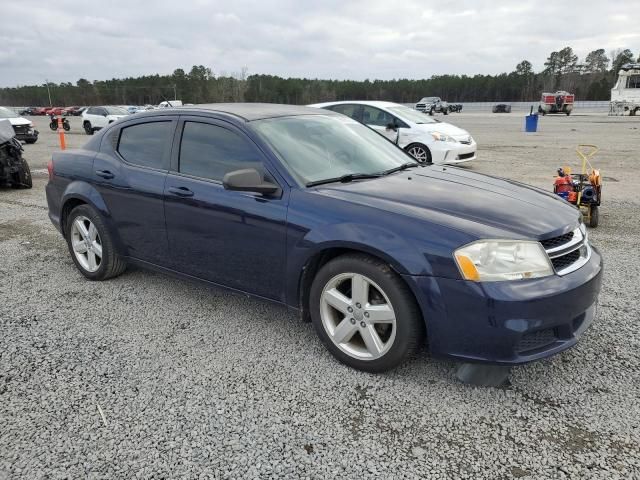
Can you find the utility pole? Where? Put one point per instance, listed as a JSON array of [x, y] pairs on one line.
[[175, 96], [48, 92]]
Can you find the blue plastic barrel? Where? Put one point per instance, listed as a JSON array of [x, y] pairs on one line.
[[531, 123]]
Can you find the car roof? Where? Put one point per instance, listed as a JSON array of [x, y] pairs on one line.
[[373, 103], [253, 111]]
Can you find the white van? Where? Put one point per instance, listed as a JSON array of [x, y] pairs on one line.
[[170, 103]]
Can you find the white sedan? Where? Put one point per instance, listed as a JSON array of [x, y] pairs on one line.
[[425, 138]]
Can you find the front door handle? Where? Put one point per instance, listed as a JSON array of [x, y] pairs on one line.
[[181, 191], [105, 174]]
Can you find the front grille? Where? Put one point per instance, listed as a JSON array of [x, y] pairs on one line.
[[463, 156], [564, 261], [21, 129], [568, 252], [557, 241], [536, 340], [466, 142]]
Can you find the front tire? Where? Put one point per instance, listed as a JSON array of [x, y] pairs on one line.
[[91, 246], [420, 152], [365, 314], [22, 179]]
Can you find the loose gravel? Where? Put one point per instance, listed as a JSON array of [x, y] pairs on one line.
[[147, 376]]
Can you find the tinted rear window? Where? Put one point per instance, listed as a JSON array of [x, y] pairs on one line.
[[146, 144], [209, 151]]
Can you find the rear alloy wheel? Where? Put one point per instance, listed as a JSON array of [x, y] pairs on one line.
[[364, 313], [419, 152], [90, 245], [88, 129]]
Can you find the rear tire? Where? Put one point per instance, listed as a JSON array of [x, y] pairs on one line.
[[364, 337], [92, 242], [594, 216], [87, 128]]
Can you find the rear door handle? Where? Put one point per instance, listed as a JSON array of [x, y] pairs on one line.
[[104, 174], [181, 191]]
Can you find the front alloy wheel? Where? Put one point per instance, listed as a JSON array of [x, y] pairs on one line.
[[420, 153], [358, 316], [364, 313]]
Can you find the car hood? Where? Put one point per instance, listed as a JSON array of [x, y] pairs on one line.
[[442, 127], [479, 205], [18, 121]]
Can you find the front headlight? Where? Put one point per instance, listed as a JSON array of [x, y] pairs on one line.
[[441, 137], [498, 260]]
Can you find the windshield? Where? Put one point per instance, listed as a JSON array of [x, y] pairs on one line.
[[116, 111], [319, 147], [6, 113], [412, 115]]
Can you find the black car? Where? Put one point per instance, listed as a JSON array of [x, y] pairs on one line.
[[501, 108]]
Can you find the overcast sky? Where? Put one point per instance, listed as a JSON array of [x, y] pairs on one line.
[[64, 40]]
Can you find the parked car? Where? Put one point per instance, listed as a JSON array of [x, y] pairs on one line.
[[313, 210], [72, 111], [432, 105], [426, 139], [95, 118], [559, 102], [501, 108], [14, 169], [22, 127], [39, 111], [27, 111]]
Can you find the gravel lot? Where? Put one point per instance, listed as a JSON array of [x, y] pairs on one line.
[[147, 376]]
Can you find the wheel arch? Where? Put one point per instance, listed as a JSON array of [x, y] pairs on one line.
[[325, 254], [82, 193]]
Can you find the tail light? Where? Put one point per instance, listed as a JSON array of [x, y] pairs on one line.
[[50, 169]]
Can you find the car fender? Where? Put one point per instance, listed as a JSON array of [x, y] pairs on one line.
[[380, 242]]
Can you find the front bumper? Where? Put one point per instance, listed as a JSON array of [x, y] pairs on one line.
[[27, 136], [453, 153], [508, 323]]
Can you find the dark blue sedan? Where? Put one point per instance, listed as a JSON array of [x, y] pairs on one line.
[[310, 209]]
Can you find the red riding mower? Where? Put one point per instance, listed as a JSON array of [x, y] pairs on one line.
[[584, 189]]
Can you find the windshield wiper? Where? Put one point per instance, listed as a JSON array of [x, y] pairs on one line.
[[404, 166], [349, 177]]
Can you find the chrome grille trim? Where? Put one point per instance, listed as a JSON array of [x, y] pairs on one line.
[[579, 242]]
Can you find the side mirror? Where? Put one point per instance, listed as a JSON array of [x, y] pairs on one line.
[[248, 180], [392, 126]]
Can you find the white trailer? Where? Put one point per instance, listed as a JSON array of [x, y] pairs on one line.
[[625, 95]]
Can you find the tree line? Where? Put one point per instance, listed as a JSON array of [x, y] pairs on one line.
[[590, 79]]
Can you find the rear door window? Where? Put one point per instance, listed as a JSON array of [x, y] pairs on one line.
[[147, 144], [350, 110]]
